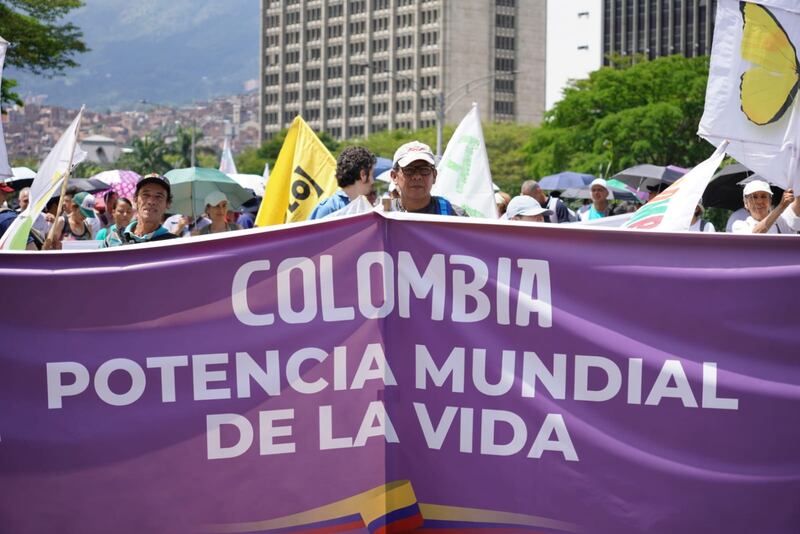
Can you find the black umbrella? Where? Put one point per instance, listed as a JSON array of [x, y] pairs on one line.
[[725, 189], [641, 176], [18, 183]]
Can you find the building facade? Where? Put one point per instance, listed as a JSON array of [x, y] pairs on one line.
[[355, 67], [657, 28], [574, 43]]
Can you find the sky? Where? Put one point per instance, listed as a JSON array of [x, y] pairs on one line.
[[161, 51]]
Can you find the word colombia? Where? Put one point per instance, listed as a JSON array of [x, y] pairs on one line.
[[460, 377], [511, 292]]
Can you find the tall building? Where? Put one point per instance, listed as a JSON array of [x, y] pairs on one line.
[[355, 67], [574, 43], [658, 28]]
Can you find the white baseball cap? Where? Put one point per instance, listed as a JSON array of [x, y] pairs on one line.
[[756, 185], [215, 197], [411, 152], [601, 182], [525, 205]]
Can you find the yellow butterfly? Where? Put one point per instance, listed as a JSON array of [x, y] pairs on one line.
[[768, 89]]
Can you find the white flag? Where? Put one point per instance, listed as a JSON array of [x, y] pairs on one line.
[[752, 87], [226, 164], [464, 177], [51, 173], [672, 210], [5, 168]]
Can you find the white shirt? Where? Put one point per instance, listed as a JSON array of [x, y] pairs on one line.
[[706, 229], [738, 215], [787, 223]]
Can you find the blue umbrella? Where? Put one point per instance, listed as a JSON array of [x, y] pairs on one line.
[[566, 180], [382, 165]]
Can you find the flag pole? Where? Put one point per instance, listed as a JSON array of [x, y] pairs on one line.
[[49, 242]]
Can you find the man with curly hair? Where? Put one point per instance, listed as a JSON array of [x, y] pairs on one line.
[[354, 174]]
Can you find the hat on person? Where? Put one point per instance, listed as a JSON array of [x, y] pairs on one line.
[[85, 203], [525, 205], [214, 198], [154, 178], [756, 185], [601, 182], [411, 152], [5, 188]]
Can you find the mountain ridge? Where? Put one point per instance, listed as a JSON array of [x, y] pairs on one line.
[[169, 52]]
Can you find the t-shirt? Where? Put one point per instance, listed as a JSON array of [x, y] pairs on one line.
[[437, 206], [560, 211], [7, 217], [702, 226], [333, 203], [592, 213], [128, 237], [746, 226]]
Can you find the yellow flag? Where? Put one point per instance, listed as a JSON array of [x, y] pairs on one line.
[[304, 174]]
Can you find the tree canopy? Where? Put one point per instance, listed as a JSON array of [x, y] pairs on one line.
[[624, 115], [40, 42]]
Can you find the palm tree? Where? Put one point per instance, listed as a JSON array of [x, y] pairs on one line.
[[147, 155], [181, 148]]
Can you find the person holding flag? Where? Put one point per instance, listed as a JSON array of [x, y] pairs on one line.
[[355, 174], [758, 201]]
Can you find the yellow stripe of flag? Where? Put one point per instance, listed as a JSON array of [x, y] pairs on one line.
[[304, 174]]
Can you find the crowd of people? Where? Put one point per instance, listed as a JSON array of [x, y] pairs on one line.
[[116, 221]]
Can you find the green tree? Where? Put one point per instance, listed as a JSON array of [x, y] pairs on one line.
[[148, 155], [252, 160], [39, 42], [180, 150], [87, 169], [644, 112]]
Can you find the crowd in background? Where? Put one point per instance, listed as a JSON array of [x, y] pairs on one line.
[[113, 220]]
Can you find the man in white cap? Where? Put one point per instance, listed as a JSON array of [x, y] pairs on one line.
[[414, 173], [599, 207], [763, 220], [525, 208]]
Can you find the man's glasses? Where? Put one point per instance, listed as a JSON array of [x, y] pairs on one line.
[[424, 171]]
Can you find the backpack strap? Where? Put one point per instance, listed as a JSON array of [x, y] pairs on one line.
[[444, 207]]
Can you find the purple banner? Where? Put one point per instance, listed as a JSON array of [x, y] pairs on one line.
[[388, 375]]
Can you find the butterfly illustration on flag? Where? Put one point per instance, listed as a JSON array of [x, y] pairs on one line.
[[769, 88]]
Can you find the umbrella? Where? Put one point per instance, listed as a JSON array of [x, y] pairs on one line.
[[89, 185], [191, 185], [123, 183], [566, 180], [646, 175], [21, 177], [253, 182], [617, 193], [725, 188], [382, 165]]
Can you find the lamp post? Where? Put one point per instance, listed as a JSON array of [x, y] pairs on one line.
[[441, 98]]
